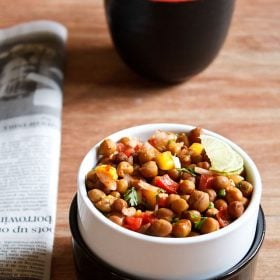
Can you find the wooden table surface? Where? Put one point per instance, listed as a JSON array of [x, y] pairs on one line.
[[238, 96]]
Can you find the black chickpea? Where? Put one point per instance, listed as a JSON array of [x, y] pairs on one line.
[[104, 205], [186, 186], [174, 174], [165, 213], [246, 188], [107, 147], [211, 212], [117, 218], [194, 135], [122, 186], [212, 194], [199, 200], [209, 225], [234, 194], [149, 169], [235, 209], [160, 228], [220, 204], [182, 228], [95, 195], [124, 168], [179, 205], [171, 198], [221, 182], [193, 215], [119, 204]]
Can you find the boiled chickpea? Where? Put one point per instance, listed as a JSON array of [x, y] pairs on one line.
[[220, 203], [199, 201], [117, 218], [179, 205], [124, 168], [196, 158], [165, 213], [212, 194], [209, 225], [174, 174], [149, 169], [194, 135], [92, 180], [119, 157], [107, 147], [160, 228], [95, 195], [184, 157], [174, 147], [182, 137], [104, 205], [193, 233], [246, 188], [234, 194], [182, 228], [211, 212], [245, 201], [221, 182], [171, 198], [204, 164], [187, 176], [235, 209], [128, 141], [146, 153], [115, 194], [119, 204], [186, 186], [122, 185], [193, 215]]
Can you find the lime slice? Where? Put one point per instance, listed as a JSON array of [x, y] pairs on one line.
[[222, 157]]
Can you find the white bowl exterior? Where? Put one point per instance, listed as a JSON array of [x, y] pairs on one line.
[[157, 258]]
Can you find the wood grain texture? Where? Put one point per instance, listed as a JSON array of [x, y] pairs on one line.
[[238, 96]]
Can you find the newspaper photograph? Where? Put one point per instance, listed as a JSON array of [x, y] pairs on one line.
[[31, 77]]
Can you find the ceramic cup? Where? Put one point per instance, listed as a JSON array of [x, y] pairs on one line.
[[168, 40], [150, 257]]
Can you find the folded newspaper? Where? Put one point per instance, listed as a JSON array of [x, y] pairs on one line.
[[31, 76]]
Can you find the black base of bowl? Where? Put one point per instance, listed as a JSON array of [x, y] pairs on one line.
[[89, 266]]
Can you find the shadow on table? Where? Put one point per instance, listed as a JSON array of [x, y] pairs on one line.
[[103, 67]]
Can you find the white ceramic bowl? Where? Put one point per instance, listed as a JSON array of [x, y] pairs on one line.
[[149, 257]]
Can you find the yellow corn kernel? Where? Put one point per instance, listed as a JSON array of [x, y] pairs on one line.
[[165, 160], [196, 148]]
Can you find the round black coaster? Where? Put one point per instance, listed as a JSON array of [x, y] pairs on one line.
[[91, 267]]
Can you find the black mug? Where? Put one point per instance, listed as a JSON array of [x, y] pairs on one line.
[[168, 40]]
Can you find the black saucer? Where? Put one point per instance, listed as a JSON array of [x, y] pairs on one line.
[[91, 267]]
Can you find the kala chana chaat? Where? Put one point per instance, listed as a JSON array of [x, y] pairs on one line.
[[172, 185]]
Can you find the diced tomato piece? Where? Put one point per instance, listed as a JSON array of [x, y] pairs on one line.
[[128, 151], [133, 223], [120, 147], [147, 217], [223, 217], [162, 202], [206, 181], [166, 183]]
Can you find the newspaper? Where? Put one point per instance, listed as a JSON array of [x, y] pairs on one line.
[[31, 76]]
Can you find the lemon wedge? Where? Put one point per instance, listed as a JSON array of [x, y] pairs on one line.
[[223, 158]]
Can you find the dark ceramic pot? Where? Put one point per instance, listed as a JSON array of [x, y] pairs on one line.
[[168, 41], [89, 266]]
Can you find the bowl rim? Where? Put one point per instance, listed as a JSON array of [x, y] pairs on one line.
[[249, 165]]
